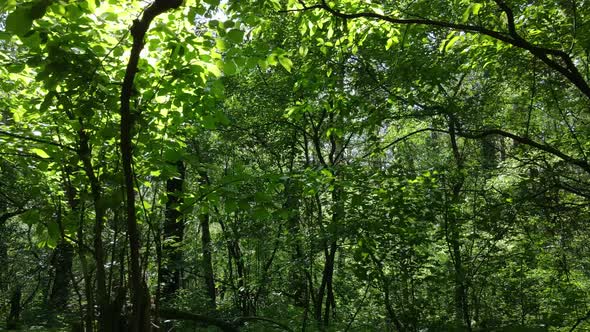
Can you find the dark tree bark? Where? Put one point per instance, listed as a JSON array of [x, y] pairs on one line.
[[4, 249], [453, 227], [3, 244], [140, 320], [170, 270], [102, 296], [326, 286], [62, 265], [324, 304], [13, 320], [297, 272], [207, 258], [206, 247]]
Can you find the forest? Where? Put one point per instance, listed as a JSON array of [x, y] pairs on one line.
[[294, 165]]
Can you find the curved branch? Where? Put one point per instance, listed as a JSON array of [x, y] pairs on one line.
[[583, 164], [5, 216], [403, 138], [509, 16], [38, 140], [527, 141], [568, 69], [140, 318]]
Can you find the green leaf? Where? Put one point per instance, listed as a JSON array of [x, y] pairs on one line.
[[475, 8], [327, 173], [209, 122], [172, 155], [303, 50], [109, 132], [229, 68], [271, 60], [15, 67], [30, 217], [213, 69], [110, 16], [451, 42], [235, 35], [390, 42], [218, 89], [213, 24], [472, 9], [89, 5], [221, 118], [286, 63], [465, 15], [19, 21], [53, 230], [40, 153]]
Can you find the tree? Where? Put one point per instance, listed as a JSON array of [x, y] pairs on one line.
[[399, 166]]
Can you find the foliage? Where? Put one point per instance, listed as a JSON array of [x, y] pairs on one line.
[[314, 165]]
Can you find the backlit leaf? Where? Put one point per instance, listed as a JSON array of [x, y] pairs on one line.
[[286, 63], [40, 153]]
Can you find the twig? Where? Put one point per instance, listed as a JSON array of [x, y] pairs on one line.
[[38, 140]]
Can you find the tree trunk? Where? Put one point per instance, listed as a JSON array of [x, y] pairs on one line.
[[102, 295], [13, 320], [3, 257], [206, 247], [140, 320], [207, 258], [297, 279], [170, 271], [62, 265], [330, 248], [330, 306], [454, 236]]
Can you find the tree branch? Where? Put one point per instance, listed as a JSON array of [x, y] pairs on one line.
[[140, 319], [527, 141], [5, 216], [583, 164], [568, 70], [579, 321], [38, 140]]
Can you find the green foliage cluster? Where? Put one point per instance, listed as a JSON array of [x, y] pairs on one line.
[[303, 165]]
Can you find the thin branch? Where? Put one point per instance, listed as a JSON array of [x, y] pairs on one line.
[[510, 18], [4, 217], [403, 138], [37, 140], [583, 164], [579, 321], [568, 69], [527, 141]]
